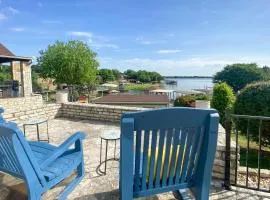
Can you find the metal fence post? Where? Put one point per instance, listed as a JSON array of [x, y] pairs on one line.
[[228, 128]]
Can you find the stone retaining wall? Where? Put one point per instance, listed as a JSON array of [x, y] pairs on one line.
[[95, 111], [21, 109], [113, 114], [11, 104]]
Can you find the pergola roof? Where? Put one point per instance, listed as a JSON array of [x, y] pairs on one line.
[[7, 56]]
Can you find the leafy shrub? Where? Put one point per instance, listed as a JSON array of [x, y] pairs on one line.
[[239, 75], [223, 98], [202, 97], [254, 100], [184, 101]]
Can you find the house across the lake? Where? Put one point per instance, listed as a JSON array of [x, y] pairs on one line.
[[147, 101], [170, 93]]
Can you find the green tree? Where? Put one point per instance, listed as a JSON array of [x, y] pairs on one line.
[[5, 74], [239, 75], [116, 74], [143, 76], [131, 74], [71, 63], [266, 72], [254, 100], [223, 98], [106, 75]]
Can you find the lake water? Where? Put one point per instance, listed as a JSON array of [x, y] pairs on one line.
[[186, 84]]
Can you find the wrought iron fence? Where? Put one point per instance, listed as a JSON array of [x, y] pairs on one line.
[[5, 91], [248, 143]]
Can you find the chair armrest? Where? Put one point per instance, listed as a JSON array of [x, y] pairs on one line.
[[78, 136]]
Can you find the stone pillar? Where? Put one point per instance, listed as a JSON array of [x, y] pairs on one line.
[[26, 78], [15, 71], [16, 75]]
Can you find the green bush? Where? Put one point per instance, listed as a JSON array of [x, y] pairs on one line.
[[254, 100], [184, 101], [223, 98], [202, 97]]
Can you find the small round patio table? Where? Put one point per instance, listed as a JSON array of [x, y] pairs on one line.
[[37, 122], [108, 137]]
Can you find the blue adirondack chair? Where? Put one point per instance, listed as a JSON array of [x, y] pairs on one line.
[[167, 150], [39, 164]]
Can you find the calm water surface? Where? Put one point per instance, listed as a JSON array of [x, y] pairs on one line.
[[184, 84]]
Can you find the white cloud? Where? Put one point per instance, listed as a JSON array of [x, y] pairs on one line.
[[2, 16], [17, 29], [13, 10], [104, 45], [51, 22], [168, 51], [144, 41], [81, 34]]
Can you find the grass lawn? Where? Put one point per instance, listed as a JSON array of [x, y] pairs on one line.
[[253, 153], [145, 86]]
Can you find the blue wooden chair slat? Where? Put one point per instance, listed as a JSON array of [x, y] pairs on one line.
[[186, 160], [9, 158], [152, 159], [40, 165], [159, 157], [180, 156], [199, 148], [178, 151], [174, 153], [194, 151], [167, 157], [137, 178], [145, 159]]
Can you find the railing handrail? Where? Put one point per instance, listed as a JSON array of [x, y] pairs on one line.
[[250, 117]]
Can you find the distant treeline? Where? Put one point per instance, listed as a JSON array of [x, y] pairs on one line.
[[141, 75], [187, 76]]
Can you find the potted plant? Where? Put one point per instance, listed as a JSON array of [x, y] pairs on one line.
[[71, 64], [202, 101]]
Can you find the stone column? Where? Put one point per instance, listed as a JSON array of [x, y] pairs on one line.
[[15, 71], [26, 78], [16, 75]]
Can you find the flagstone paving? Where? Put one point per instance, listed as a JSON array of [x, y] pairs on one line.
[[94, 185]]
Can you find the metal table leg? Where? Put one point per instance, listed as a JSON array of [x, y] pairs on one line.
[[38, 133]]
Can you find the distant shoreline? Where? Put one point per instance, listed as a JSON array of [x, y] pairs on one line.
[[187, 76]]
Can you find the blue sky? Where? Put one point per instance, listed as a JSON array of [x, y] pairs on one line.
[[174, 37]]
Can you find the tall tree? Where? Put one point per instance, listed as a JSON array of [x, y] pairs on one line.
[[239, 75], [71, 63]]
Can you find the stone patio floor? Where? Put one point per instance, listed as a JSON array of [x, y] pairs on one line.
[[96, 186]]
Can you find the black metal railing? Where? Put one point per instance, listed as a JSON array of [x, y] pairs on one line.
[[5, 91], [251, 136]]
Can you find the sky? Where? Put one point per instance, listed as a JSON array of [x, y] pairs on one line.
[[172, 37]]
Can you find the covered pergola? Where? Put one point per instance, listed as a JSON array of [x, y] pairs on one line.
[[19, 68]]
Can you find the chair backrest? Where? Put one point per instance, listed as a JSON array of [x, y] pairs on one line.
[[16, 155], [168, 144]]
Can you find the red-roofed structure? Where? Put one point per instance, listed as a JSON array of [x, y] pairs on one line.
[[136, 100]]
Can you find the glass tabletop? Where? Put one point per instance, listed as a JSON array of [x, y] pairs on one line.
[[110, 136], [35, 121]]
